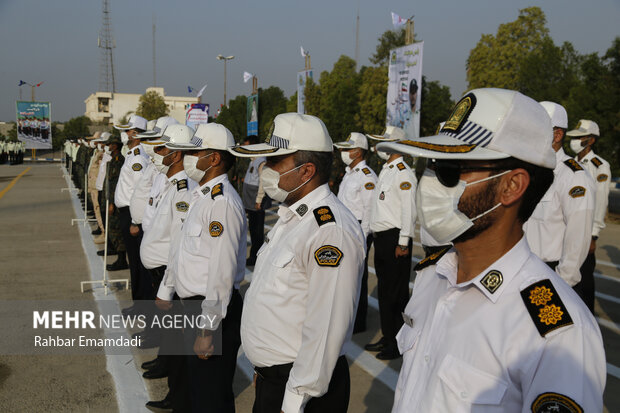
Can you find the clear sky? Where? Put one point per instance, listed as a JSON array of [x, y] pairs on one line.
[[55, 41]]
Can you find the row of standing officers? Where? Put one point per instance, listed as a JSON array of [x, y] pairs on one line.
[[188, 243]]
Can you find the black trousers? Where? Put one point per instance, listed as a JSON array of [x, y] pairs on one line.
[[392, 283], [585, 288], [141, 283], [362, 306], [256, 226], [211, 380], [271, 384]]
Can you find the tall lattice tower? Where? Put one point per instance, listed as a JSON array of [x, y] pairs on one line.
[[106, 43]]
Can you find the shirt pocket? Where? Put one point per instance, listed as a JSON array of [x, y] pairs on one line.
[[192, 240], [282, 269], [407, 337], [462, 387]]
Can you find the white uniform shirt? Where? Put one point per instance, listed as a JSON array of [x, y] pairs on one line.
[[601, 173], [560, 227], [467, 349], [301, 304], [394, 205], [210, 258], [170, 213], [103, 166], [140, 197], [131, 172], [357, 192], [160, 184]]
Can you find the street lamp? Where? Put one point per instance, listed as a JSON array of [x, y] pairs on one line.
[[225, 59]]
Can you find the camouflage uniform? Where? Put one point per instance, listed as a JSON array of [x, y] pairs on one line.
[[78, 167], [113, 170]]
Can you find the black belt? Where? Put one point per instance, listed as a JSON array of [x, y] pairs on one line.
[[202, 297], [552, 264], [274, 372]]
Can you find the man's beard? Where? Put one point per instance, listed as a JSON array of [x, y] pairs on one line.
[[475, 205]]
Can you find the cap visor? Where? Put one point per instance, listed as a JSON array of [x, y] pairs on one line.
[[122, 127], [154, 143], [577, 133], [381, 138], [259, 149], [440, 147], [183, 146], [149, 135], [344, 145]]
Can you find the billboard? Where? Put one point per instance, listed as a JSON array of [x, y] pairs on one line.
[[34, 127], [302, 78], [196, 114], [252, 115], [404, 89]]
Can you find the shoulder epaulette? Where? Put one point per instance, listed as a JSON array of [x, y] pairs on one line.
[[400, 166], [181, 184], [136, 151], [573, 164], [596, 161], [431, 259], [324, 215], [545, 307], [217, 191], [366, 171]]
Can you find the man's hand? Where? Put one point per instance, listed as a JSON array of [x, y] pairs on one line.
[[203, 347], [111, 209], [134, 230], [163, 305], [257, 206], [401, 252], [592, 246]]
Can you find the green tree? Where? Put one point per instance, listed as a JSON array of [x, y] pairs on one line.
[[233, 117], [372, 98], [77, 127], [496, 60], [152, 106], [312, 92], [389, 40], [291, 103], [436, 106], [271, 102]]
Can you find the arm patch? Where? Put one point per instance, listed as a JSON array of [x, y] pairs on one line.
[[577, 192], [366, 171], [405, 185], [573, 165], [136, 166], [400, 166], [216, 228], [181, 184], [217, 191], [182, 206], [324, 215], [545, 307], [328, 256], [555, 402], [596, 161], [431, 259], [601, 178], [370, 186]]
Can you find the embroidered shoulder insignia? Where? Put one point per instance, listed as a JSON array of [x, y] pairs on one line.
[[366, 171], [596, 161], [555, 402], [216, 228], [602, 178], [324, 215], [431, 259], [216, 191], [405, 185], [328, 256], [370, 186], [136, 167], [400, 166], [182, 206], [577, 192], [181, 184], [573, 164], [136, 151], [545, 307]]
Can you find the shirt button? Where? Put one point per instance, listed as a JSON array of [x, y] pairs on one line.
[[463, 394], [426, 358]]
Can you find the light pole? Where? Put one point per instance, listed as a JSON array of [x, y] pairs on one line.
[[225, 59]]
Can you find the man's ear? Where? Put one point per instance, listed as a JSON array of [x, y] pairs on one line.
[[513, 186]]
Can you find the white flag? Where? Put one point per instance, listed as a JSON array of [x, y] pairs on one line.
[[247, 76], [397, 21], [303, 52], [201, 90]]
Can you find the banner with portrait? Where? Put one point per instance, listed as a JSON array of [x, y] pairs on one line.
[[302, 78], [252, 115], [404, 93], [34, 127]]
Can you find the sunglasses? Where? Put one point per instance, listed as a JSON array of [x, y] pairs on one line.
[[449, 172]]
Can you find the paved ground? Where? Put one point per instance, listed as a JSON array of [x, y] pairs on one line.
[[41, 257]]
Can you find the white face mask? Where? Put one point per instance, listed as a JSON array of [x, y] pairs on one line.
[[270, 180], [346, 157], [383, 155], [575, 145], [437, 207], [107, 150], [124, 138], [158, 160], [192, 171]]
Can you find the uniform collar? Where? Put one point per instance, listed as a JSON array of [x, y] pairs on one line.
[[500, 272], [393, 163], [360, 165], [177, 177], [205, 189], [560, 157], [588, 156], [305, 204]]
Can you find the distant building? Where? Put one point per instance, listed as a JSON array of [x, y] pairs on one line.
[[112, 107]]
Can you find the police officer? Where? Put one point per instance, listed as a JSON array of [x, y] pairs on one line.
[[490, 327], [392, 222], [93, 173], [2, 151], [582, 138], [301, 304], [559, 229], [208, 267], [356, 192]]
